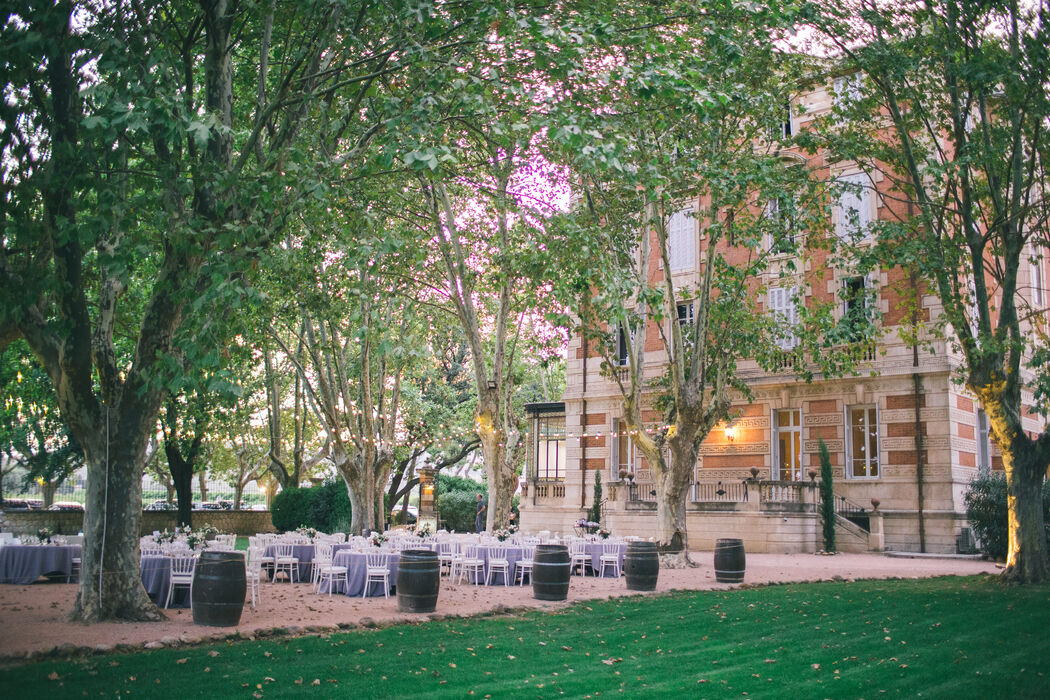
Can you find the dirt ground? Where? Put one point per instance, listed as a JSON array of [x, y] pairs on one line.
[[33, 618]]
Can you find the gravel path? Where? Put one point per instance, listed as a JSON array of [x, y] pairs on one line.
[[34, 617]]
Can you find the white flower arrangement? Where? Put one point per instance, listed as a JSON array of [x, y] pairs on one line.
[[376, 539], [307, 532], [502, 534], [424, 531]]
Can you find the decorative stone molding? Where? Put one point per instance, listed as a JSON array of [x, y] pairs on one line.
[[735, 448], [822, 419], [907, 415], [814, 445], [751, 422], [908, 443]]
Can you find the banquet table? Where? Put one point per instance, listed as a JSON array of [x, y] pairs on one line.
[[24, 564], [595, 549], [156, 572], [514, 554], [305, 554], [356, 564]]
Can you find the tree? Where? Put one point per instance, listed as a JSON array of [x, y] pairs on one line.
[[827, 498], [147, 197], [950, 103], [32, 433], [678, 142]]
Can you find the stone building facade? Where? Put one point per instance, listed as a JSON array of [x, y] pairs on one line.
[[905, 439]]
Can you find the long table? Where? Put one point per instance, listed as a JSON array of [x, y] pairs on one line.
[[356, 564], [23, 564]]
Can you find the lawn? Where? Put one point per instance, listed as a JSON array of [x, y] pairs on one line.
[[948, 637]]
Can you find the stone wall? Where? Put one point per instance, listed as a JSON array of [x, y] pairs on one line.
[[241, 522]]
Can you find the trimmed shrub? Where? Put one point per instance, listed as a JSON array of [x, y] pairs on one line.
[[330, 507], [325, 508], [451, 484], [458, 510], [986, 510], [291, 508], [596, 507]]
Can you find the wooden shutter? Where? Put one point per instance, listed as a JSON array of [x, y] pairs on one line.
[[681, 243]]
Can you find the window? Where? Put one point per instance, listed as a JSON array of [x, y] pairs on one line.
[[621, 347], [681, 241], [847, 93], [782, 307], [686, 320], [780, 213], [783, 129], [1038, 295], [862, 443], [855, 208], [855, 293], [984, 444], [787, 461], [622, 453], [550, 447]]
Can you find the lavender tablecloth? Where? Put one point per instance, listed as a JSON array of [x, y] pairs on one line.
[[24, 564], [356, 564], [156, 572], [303, 552], [595, 549], [513, 555]]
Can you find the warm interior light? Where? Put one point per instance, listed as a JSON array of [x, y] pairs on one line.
[[730, 433]]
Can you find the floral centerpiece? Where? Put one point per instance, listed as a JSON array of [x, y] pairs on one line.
[[209, 531], [588, 525], [196, 539], [603, 533], [45, 534], [307, 532], [424, 531], [162, 538], [502, 534], [376, 539]]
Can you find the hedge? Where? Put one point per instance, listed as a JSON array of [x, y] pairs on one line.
[[986, 511], [325, 508]]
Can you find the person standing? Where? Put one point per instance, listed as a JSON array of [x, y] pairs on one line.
[[479, 521]]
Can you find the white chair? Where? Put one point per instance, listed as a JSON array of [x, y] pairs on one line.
[[471, 563], [285, 560], [322, 558], [253, 571], [445, 552], [578, 556], [377, 571], [331, 573], [524, 565], [610, 558], [181, 575], [498, 564]]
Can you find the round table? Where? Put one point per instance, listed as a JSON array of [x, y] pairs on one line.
[[356, 564]]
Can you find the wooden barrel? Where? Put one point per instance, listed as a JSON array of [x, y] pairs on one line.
[[641, 566], [550, 572], [729, 561], [218, 590], [418, 580]]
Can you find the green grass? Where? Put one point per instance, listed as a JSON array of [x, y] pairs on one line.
[[949, 637]]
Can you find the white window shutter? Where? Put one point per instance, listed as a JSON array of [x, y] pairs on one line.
[[782, 306], [855, 208], [681, 243]]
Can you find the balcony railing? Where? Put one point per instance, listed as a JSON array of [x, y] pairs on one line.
[[550, 489], [781, 491], [641, 492], [732, 491]]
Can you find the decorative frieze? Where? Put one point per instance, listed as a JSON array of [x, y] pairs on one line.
[[822, 419], [833, 445], [735, 448], [751, 422], [907, 415], [908, 443]]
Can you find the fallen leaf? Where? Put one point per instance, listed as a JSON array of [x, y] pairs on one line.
[[213, 653], [182, 660], [316, 681], [53, 676]]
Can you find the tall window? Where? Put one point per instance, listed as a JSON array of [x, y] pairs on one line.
[[550, 447], [788, 444], [780, 213], [784, 127], [1038, 284], [862, 443], [855, 208], [855, 306], [621, 456], [847, 94], [984, 443], [686, 320], [681, 240], [782, 307], [621, 346]]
